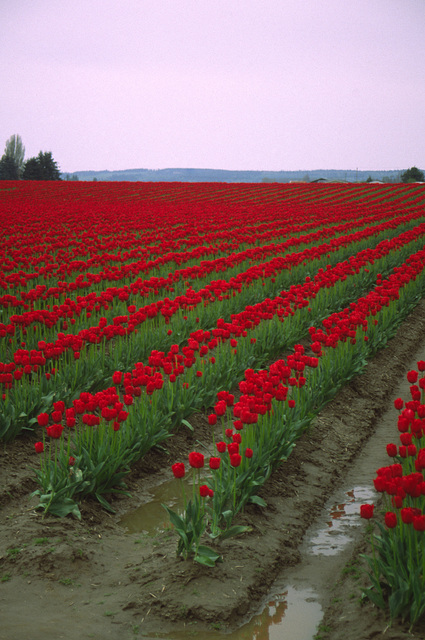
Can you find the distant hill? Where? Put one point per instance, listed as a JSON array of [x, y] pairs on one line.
[[222, 175]]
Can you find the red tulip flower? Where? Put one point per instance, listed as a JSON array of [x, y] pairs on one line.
[[390, 519], [204, 491], [214, 463], [366, 511], [221, 447], [419, 523], [398, 403], [196, 460], [392, 450], [43, 419], [178, 470], [235, 459]]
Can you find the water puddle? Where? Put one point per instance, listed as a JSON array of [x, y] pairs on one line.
[[292, 614], [335, 533], [151, 518]]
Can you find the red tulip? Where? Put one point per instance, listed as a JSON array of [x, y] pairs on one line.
[[178, 470]]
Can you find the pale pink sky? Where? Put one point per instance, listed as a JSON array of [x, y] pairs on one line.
[[223, 84]]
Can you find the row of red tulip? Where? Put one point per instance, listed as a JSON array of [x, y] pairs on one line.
[[166, 308], [80, 373], [397, 565], [157, 380], [275, 407]]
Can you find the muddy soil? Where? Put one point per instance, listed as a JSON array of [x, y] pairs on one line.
[[92, 579]]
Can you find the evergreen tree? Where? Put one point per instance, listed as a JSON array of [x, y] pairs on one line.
[[32, 170], [8, 168], [43, 167], [49, 168]]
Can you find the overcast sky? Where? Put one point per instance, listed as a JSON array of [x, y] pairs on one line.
[[220, 84]]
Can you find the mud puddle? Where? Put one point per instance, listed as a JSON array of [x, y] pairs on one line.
[[150, 517]]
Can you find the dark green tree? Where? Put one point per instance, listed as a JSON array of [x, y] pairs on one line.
[[32, 170], [8, 168], [43, 167], [49, 167], [413, 175]]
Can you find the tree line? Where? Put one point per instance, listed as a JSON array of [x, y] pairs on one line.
[[44, 167], [14, 167]]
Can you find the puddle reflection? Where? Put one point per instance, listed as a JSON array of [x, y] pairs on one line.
[[151, 517], [294, 614], [333, 536]]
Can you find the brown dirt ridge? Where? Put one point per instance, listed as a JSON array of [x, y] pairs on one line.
[[92, 579]]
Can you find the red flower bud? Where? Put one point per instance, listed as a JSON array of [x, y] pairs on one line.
[[407, 515], [366, 511], [390, 519], [232, 448], [178, 470], [220, 408], [392, 450], [215, 463], [196, 460], [204, 491], [419, 523], [54, 431], [43, 419], [412, 376], [398, 403], [235, 459]]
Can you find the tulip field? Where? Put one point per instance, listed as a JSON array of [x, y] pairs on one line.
[[126, 308]]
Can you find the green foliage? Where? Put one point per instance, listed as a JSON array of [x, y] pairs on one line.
[[8, 168], [395, 569], [32, 170], [43, 167], [413, 175], [190, 529]]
